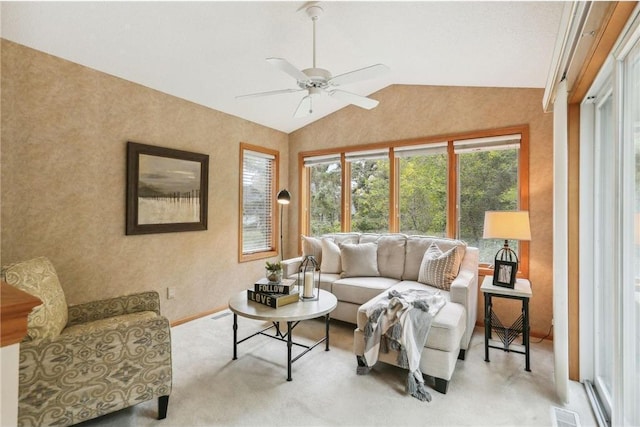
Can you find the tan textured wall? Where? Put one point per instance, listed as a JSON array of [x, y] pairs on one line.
[[63, 140], [64, 134], [419, 111]]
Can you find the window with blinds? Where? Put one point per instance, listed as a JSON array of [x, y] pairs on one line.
[[258, 189]]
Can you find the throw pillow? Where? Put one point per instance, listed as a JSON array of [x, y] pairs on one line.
[[330, 257], [312, 246], [38, 278], [461, 247], [359, 260], [415, 248], [437, 267]]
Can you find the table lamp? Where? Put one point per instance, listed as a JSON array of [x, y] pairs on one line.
[[507, 225], [283, 198]]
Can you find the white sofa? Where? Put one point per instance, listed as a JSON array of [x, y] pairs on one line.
[[359, 269]]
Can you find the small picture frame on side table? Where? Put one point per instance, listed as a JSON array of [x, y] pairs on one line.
[[504, 273]]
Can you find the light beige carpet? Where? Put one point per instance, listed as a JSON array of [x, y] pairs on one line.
[[211, 389]]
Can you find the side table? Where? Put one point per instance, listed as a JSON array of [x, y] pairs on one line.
[[521, 291]]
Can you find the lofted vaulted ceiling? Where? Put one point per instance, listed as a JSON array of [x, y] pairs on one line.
[[211, 52]]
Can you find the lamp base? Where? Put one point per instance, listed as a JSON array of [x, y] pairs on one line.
[[507, 254], [505, 267]]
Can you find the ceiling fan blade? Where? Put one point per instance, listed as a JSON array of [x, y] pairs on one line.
[[352, 98], [358, 75], [272, 92], [304, 108], [287, 67]]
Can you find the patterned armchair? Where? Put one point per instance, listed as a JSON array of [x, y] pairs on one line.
[[83, 361]]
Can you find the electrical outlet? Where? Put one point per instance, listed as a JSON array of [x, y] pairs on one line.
[[171, 293]]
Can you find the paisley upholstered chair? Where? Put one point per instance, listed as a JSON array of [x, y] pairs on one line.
[[83, 361]]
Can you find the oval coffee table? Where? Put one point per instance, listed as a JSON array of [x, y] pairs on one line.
[[290, 313]]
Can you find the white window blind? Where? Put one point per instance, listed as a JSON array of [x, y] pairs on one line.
[[420, 150], [257, 201], [367, 155], [322, 160], [503, 142]]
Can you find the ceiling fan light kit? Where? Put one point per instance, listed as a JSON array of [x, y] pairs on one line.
[[318, 81], [314, 11]]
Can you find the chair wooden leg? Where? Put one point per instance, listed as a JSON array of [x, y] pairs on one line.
[[442, 385], [163, 404]]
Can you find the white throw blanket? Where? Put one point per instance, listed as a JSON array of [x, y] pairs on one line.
[[401, 321]]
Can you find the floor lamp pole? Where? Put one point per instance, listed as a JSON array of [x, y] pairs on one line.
[[284, 197], [281, 247]]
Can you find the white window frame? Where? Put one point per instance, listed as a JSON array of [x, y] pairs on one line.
[[625, 360]]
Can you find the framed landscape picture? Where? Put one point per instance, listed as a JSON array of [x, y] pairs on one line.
[[504, 273], [166, 190]]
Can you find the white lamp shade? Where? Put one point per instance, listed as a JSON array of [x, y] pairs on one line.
[[508, 225]]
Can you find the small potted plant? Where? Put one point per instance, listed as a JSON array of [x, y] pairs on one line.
[[274, 271]]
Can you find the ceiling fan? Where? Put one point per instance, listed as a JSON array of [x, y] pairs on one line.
[[317, 81]]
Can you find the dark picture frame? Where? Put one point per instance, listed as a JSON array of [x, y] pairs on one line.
[[166, 190], [504, 273]]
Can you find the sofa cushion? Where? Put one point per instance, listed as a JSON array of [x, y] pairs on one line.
[[312, 246], [358, 290], [331, 262], [369, 238], [437, 267], [416, 246], [326, 279], [391, 255], [38, 278], [359, 260], [344, 237], [447, 328]]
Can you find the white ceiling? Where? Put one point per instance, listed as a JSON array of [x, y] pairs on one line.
[[210, 52]]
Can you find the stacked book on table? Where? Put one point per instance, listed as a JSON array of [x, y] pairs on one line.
[[274, 294]]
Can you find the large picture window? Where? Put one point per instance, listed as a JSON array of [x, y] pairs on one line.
[[325, 191], [422, 192], [438, 188], [487, 181], [257, 198], [369, 201]]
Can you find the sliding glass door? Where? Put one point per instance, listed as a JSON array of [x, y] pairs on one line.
[[604, 246], [610, 233], [630, 313]]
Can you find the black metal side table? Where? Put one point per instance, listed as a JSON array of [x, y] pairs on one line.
[[521, 291]]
